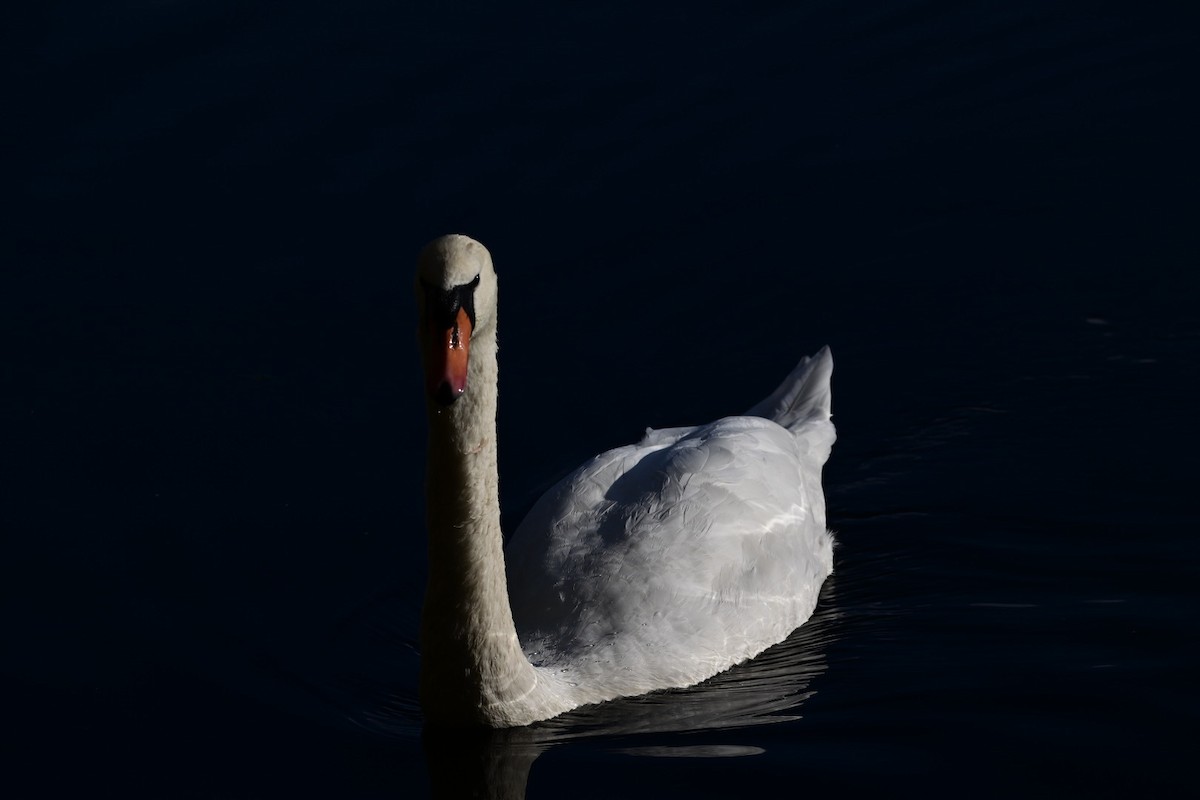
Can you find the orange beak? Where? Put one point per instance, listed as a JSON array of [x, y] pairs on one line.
[[446, 373]]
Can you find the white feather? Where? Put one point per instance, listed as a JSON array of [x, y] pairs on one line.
[[662, 563], [652, 566]]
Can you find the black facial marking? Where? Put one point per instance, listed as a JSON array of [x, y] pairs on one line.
[[442, 305]]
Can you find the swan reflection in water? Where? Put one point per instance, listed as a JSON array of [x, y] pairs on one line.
[[655, 565], [496, 763]]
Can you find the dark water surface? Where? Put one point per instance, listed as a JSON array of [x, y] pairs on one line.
[[988, 210]]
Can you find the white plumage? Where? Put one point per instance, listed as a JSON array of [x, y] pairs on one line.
[[652, 566]]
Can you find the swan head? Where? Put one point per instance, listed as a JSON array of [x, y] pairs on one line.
[[456, 300]]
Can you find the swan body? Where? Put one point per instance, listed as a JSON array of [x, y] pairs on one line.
[[652, 566]]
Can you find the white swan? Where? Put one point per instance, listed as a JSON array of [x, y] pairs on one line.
[[652, 566]]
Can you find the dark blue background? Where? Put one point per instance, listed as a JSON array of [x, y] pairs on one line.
[[988, 210]]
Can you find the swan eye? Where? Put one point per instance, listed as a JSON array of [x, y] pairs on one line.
[[442, 305]]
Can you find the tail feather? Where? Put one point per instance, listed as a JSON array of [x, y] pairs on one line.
[[803, 397]]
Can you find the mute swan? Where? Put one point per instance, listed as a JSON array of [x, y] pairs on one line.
[[652, 566]]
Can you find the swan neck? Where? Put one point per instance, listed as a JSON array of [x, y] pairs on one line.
[[472, 663]]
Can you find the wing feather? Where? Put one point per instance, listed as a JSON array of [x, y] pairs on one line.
[[675, 557]]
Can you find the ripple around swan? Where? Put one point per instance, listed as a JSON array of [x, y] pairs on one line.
[[766, 690], [988, 212], [760, 691]]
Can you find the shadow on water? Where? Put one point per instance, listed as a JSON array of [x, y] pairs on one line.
[[766, 690]]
